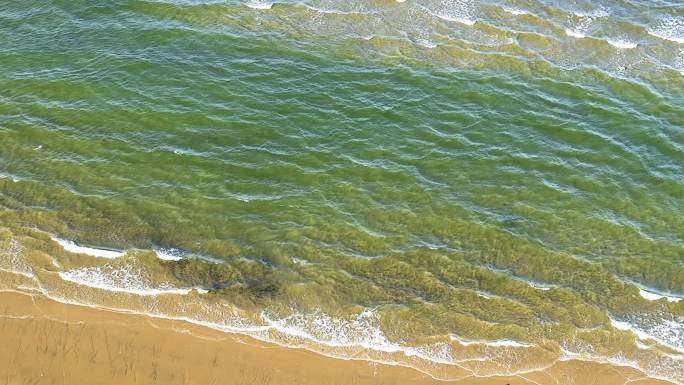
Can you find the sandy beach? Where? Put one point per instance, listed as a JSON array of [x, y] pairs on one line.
[[47, 342]]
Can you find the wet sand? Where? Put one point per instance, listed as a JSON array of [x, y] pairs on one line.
[[46, 342]]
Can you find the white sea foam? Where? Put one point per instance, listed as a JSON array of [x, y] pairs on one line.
[[18, 272], [600, 12], [666, 332], [426, 43], [622, 44], [579, 30], [649, 296], [664, 36], [233, 323], [654, 296], [624, 326], [459, 11], [539, 286], [7, 176], [462, 20], [361, 330], [495, 343], [671, 28], [118, 279], [30, 288], [331, 11], [575, 34], [168, 254], [259, 5], [12, 261], [77, 249], [438, 353], [642, 345], [668, 369], [515, 11]]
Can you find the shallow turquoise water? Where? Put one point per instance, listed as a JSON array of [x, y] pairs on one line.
[[365, 174]]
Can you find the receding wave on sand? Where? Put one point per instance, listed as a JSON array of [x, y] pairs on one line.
[[207, 355]]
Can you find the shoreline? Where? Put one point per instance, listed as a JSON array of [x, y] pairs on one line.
[[45, 341]]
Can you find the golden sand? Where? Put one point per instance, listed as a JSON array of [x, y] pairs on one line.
[[47, 342]]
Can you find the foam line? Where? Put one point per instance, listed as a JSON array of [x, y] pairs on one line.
[[78, 279], [95, 252], [622, 44], [575, 34], [655, 296], [514, 11], [667, 333], [167, 256], [255, 5], [495, 343]]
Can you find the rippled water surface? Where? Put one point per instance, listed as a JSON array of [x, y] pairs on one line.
[[465, 187]]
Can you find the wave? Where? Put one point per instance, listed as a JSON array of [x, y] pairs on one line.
[[169, 254], [362, 331], [458, 19], [259, 5], [121, 280], [671, 29], [622, 44], [669, 370], [11, 260], [665, 36], [26, 274], [357, 336], [453, 12], [331, 11], [668, 333], [426, 43], [496, 343], [10, 177], [73, 247], [575, 34], [515, 11], [597, 13], [655, 296], [259, 332], [539, 286], [533, 284]]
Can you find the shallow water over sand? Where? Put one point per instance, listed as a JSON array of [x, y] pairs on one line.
[[463, 187]]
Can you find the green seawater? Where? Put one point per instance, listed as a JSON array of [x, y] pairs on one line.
[[478, 187]]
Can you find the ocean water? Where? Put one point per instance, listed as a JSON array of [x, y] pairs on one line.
[[469, 188]]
